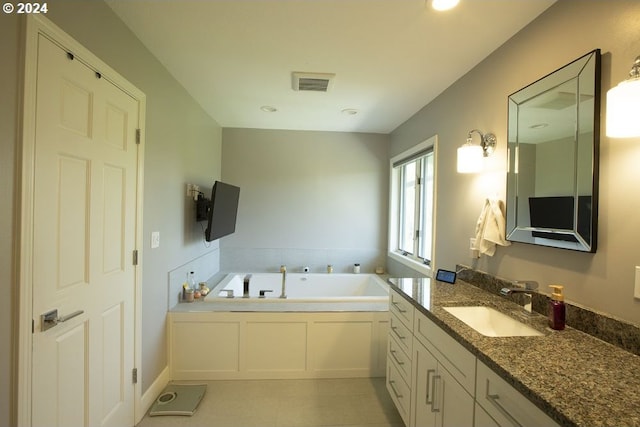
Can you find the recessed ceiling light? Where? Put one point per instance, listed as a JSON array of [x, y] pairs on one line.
[[268, 109], [444, 4], [350, 111]]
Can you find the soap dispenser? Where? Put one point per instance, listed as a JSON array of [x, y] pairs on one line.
[[557, 309]]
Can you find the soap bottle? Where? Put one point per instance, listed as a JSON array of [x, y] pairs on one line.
[[557, 309]]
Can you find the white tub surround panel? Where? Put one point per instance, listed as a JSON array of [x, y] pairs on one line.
[[231, 345]]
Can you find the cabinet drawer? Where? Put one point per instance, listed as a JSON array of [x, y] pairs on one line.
[[460, 363], [400, 392], [482, 419], [505, 404], [401, 308], [401, 333], [397, 356]]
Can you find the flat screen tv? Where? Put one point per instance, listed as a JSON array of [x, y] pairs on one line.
[[557, 212], [221, 217]]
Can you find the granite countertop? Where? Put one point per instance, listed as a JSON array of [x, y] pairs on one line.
[[575, 378]]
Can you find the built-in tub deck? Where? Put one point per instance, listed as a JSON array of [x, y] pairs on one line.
[[304, 292], [329, 326]]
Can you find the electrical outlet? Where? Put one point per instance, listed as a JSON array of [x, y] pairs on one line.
[[155, 239], [636, 289], [473, 252], [193, 191]]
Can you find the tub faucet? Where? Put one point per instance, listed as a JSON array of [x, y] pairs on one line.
[[525, 287], [245, 289], [283, 270]]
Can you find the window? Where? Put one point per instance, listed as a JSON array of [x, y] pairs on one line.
[[412, 206]]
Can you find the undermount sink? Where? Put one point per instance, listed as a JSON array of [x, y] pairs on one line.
[[492, 323]]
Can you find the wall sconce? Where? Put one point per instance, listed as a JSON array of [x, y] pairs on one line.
[[470, 157], [442, 5], [623, 106]]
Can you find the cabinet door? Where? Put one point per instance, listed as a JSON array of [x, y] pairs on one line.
[[482, 419], [453, 406], [401, 308], [401, 333], [400, 392], [425, 368], [505, 404], [439, 400]]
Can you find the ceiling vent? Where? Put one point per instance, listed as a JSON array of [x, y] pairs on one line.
[[312, 82]]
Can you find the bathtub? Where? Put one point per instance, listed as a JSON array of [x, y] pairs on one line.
[[329, 326], [302, 288]]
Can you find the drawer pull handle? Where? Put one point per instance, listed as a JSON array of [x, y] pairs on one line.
[[429, 391], [398, 361], [395, 330], [495, 401], [434, 388], [398, 395], [400, 309]]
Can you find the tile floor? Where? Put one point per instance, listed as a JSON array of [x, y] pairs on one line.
[[362, 402]]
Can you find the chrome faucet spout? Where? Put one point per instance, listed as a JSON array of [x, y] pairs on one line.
[[525, 287], [245, 288], [283, 270]]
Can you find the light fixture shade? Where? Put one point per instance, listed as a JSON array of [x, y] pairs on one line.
[[444, 4], [470, 159], [623, 110]]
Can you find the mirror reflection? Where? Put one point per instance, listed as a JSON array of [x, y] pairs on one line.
[[553, 139]]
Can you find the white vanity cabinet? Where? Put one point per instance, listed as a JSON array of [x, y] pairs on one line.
[[435, 381], [399, 351], [504, 405], [443, 378]]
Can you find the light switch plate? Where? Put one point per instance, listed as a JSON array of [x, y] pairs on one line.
[[155, 239], [636, 289]]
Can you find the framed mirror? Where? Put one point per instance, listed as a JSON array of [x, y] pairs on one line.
[[553, 154]]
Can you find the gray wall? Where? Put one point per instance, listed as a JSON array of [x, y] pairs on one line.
[[183, 145], [306, 199], [603, 281]]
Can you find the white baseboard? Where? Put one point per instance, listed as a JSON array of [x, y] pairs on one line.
[[152, 393]]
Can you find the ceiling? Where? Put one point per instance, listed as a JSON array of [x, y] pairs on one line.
[[389, 57]]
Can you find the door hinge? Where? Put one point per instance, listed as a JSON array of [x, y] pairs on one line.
[[134, 375], [33, 326], [135, 257], [138, 132], [417, 234]]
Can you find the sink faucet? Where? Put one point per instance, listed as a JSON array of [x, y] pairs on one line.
[[245, 289], [283, 270], [526, 287]]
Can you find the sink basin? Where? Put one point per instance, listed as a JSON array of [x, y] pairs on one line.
[[492, 323]]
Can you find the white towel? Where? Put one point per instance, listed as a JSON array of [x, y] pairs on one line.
[[490, 229]]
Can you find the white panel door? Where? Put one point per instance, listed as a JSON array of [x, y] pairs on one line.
[[84, 237]]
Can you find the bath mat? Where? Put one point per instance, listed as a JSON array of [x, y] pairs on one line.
[[178, 399]]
